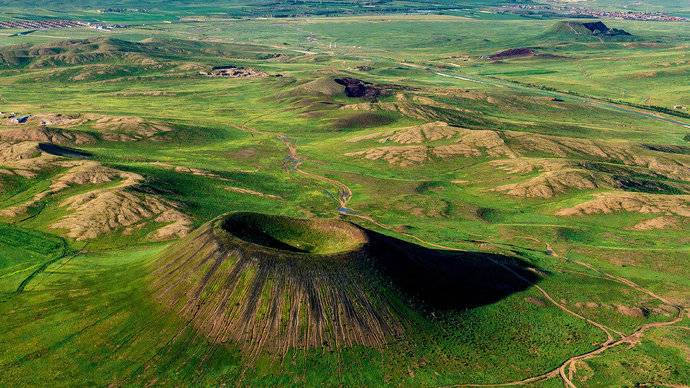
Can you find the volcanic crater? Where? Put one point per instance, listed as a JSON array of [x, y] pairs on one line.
[[275, 283]]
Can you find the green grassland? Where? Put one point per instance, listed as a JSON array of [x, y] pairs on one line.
[[81, 311]]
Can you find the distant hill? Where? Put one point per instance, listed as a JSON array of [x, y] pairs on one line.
[[591, 30], [109, 50], [521, 52], [71, 52]]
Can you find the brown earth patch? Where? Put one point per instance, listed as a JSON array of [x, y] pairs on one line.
[[663, 222], [126, 128], [364, 106], [49, 128], [146, 93], [92, 173], [474, 143], [96, 212], [676, 167], [527, 165], [521, 52], [58, 120], [536, 301], [232, 71], [632, 202], [417, 107], [422, 133], [241, 190], [24, 158], [634, 312], [103, 211], [564, 146], [18, 151], [431, 102], [403, 156], [45, 135], [79, 173], [552, 183], [465, 142]]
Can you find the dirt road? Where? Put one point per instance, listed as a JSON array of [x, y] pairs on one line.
[[566, 370]]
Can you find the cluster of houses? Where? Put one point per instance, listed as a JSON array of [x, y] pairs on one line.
[[15, 118], [231, 71], [34, 25], [41, 24], [569, 11]]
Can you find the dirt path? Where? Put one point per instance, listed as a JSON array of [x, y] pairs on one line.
[[293, 163], [344, 192], [63, 253], [567, 370], [498, 82]]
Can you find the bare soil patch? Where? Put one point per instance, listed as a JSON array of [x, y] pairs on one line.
[[663, 222], [463, 142], [100, 212], [95, 212], [126, 128], [403, 156], [536, 301], [521, 52], [251, 192], [25, 158], [232, 71], [635, 312], [556, 182], [45, 135], [632, 202], [357, 88]]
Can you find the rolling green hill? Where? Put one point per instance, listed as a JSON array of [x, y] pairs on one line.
[[586, 31], [383, 198]]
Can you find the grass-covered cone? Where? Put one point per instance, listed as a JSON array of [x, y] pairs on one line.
[[274, 283]]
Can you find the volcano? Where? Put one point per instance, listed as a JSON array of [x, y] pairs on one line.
[[274, 282]]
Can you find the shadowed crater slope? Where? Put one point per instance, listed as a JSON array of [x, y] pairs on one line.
[[273, 282]]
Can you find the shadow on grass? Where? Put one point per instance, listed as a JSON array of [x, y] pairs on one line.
[[449, 280]]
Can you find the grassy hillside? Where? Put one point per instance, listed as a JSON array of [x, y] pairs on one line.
[[407, 209]]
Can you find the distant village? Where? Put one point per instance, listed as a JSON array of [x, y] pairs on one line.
[[56, 24], [15, 118], [577, 12]]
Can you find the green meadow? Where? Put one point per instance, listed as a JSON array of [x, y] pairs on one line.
[[573, 159]]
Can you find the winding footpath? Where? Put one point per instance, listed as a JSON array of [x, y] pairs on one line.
[[566, 371], [568, 368]]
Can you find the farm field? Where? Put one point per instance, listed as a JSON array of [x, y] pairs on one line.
[[414, 194]]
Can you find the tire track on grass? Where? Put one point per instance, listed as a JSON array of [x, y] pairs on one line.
[[565, 370], [42, 267]]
